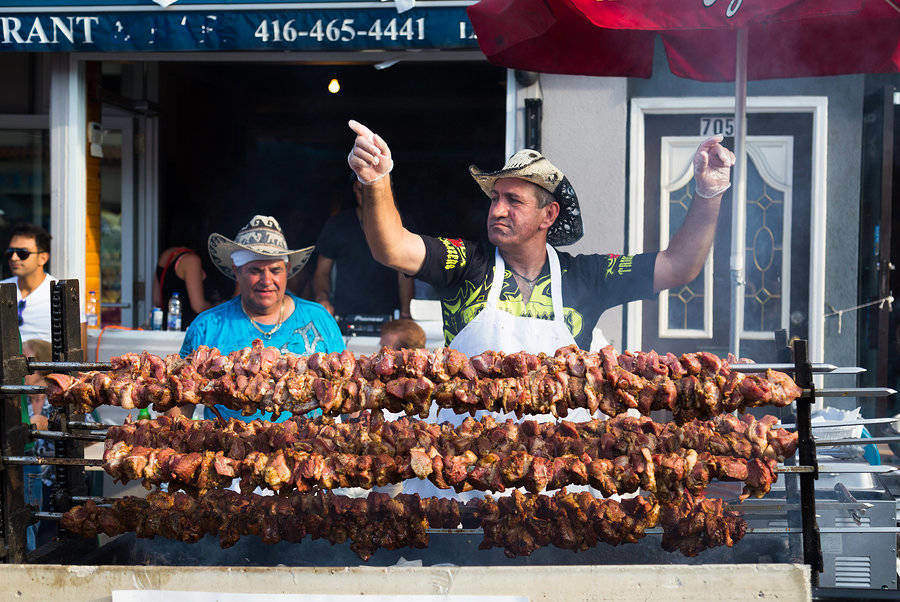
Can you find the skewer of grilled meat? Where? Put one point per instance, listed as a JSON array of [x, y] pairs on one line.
[[743, 437], [519, 523], [692, 525], [666, 475], [697, 385], [378, 521]]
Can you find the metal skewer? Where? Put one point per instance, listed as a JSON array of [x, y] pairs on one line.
[[756, 530], [650, 531], [854, 392], [41, 461], [851, 370], [830, 392], [91, 436], [92, 498], [22, 389], [73, 424], [816, 368], [772, 507], [859, 441], [836, 469], [859, 422], [791, 530], [69, 366]]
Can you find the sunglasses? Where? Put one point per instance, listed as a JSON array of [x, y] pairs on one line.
[[23, 254], [21, 311]]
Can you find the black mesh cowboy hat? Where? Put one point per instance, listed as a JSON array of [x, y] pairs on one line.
[[532, 166]]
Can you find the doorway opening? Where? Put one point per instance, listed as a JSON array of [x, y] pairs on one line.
[[238, 140]]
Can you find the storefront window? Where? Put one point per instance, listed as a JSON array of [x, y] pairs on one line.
[[111, 301], [24, 181]]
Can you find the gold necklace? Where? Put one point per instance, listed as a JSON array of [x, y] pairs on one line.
[[266, 334]]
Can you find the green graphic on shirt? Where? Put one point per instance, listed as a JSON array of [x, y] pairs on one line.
[[610, 265], [618, 264], [471, 298]]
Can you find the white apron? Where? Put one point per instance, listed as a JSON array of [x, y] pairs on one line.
[[499, 330]]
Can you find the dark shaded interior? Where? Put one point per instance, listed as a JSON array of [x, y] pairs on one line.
[[242, 139]]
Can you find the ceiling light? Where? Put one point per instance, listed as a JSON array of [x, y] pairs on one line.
[[334, 86]]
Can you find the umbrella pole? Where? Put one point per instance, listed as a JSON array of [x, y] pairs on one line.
[[739, 195]]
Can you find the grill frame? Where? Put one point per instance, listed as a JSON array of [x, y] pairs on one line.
[[765, 547]]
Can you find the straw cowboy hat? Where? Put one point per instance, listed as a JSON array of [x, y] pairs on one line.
[[263, 236], [532, 166]]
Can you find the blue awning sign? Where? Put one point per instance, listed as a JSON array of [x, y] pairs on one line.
[[195, 25]]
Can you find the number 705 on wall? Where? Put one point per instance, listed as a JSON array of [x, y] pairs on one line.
[[716, 126]]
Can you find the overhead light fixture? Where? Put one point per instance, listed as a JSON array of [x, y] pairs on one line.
[[385, 64], [334, 86]]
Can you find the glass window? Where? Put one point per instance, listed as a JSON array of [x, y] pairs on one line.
[[24, 181], [111, 229]]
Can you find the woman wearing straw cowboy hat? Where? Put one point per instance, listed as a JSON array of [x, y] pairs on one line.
[[259, 260]]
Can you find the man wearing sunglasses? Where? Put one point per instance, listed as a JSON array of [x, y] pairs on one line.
[[26, 254]]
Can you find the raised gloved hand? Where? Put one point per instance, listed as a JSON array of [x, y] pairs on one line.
[[712, 168], [370, 158]]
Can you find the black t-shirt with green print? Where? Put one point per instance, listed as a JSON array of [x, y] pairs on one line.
[[462, 272]]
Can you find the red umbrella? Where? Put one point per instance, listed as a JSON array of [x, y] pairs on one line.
[[787, 38], [706, 40]]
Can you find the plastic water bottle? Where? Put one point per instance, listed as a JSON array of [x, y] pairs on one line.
[[91, 310], [174, 317]]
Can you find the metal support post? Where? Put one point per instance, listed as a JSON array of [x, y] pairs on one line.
[[65, 319], [739, 195], [812, 545], [14, 515]]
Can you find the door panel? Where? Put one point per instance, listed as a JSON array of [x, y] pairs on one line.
[[768, 236], [696, 315], [117, 222], [685, 312]]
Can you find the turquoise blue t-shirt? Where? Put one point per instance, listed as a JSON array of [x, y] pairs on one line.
[[309, 329]]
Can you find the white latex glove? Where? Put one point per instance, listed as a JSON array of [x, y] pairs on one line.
[[370, 158], [712, 168]]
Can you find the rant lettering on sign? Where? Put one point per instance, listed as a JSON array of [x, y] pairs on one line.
[[47, 30]]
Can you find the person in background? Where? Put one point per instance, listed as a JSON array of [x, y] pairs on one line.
[[27, 254], [38, 407], [397, 334], [362, 285], [259, 260], [402, 334], [38, 479], [180, 270]]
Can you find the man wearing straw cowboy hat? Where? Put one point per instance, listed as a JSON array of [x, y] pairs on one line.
[[518, 293], [259, 260]]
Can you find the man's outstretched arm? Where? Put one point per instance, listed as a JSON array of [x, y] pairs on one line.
[[683, 259], [391, 244]]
